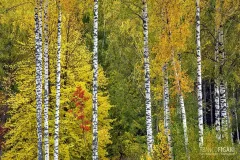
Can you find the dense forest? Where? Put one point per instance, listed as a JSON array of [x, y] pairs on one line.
[[119, 79]]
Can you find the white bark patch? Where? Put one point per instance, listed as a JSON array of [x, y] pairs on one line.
[[223, 106], [217, 111]]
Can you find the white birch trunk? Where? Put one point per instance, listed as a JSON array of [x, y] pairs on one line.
[[46, 82], [216, 90], [167, 112], [147, 78], [182, 107], [38, 85], [223, 100], [58, 84], [199, 76], [95, 83], [184, 119], [223, 106]]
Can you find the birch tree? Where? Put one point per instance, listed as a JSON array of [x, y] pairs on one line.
[[223, 102], [46, 81], [216, 91], [147, 78], [199, 76], [170, 45], [167, 111], [95, 83], [179, 89], [182, 107], [58, 83], [38, 47]]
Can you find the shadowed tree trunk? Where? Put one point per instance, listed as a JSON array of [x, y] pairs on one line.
[[236, 114]]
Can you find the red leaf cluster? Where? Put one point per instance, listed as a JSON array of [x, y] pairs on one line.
[[79, 99]]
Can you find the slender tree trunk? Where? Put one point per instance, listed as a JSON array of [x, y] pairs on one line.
[[199, 76], [223, 101], [167, 111], [223, 109], [230, 125], [205, 102], [58, 84], [147, 78], [184, 119], [180, 94], [180, 70], [211, 101], [216, 90], [182, 106], [46, 82], [38, 81], [236, 115], [236, 118], [95, 83]]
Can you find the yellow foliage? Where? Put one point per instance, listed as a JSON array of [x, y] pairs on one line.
[[160, 148]]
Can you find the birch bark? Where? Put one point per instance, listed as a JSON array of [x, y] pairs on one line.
[[167, 111], [216, 90], [46, 81], [38, 79], [199, 76], [223, 101], [58, 84], [147, 78], [95, 83]]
